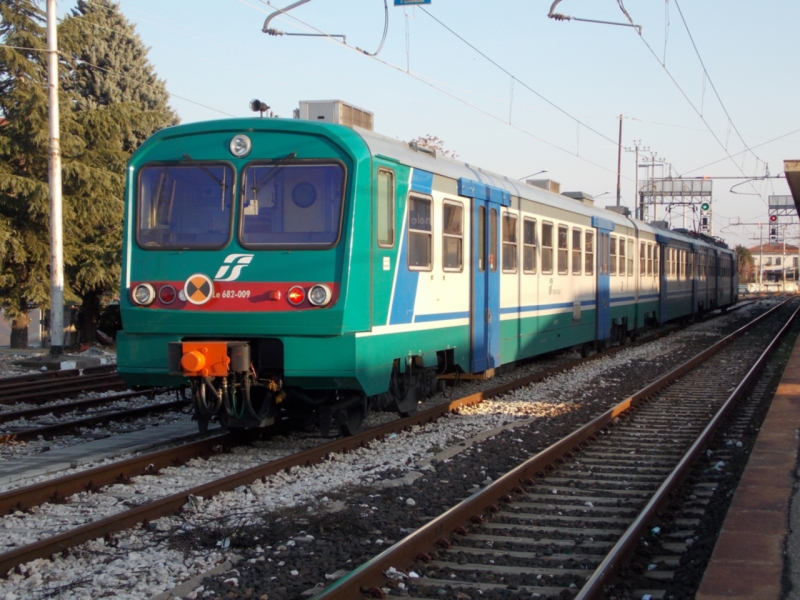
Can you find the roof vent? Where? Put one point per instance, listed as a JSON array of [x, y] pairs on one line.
[[620, 210], [335, 111], [580, 197], [545, 184], [660, 224]]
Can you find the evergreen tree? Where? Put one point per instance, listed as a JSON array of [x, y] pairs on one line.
[[119, 102]]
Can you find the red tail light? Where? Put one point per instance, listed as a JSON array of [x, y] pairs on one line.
[[296, 295]]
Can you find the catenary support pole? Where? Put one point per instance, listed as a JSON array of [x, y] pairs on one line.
[[619, 161], [56, 240]]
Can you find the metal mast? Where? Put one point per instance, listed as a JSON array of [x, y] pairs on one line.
[[54, 167]]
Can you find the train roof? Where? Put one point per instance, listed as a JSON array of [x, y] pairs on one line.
[[400, 151], [454, 169]]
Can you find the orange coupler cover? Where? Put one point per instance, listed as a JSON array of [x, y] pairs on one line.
[[209, 359]]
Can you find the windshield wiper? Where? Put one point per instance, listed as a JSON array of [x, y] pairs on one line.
[[205, 170], [272, 173]]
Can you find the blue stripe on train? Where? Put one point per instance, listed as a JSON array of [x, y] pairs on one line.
[[405, 291]]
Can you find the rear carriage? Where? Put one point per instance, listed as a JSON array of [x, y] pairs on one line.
[[296, 268]]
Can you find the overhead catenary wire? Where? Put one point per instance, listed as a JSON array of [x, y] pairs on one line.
[[711, 82], [453, 96], [515, 78], [699, 114], [123, 75]]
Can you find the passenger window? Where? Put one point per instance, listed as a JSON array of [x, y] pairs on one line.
[[576, 251], [493, 239], [452, 236], [509, 243], [547, 248], [656, 252], [630, 258], [419, 233], [642, 259], [563, 253], [622, 256], [385, 208], [588, 260], [613, 255], [529, 246], [649, 259]]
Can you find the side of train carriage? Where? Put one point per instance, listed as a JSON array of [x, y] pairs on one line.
[[285, 267]]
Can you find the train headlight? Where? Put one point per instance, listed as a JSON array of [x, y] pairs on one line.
[[167, 294], [144, 294], [320, 295], [241, 145], [296, 295]]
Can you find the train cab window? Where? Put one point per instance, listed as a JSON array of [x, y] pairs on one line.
[[547, 248], [649, 259], [185, 205], [613, 255], [576, 252], [452, 236], [588, 256], [529, 246], [563, 252], [493, 239], [385, 208], [419, 233], [289, 205], [509, 243]]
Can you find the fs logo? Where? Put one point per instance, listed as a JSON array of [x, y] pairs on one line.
[[234, 262]]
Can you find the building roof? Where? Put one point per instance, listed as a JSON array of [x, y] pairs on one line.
[[774, 249]]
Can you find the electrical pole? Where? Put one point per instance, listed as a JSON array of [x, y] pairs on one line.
[[54, 167], [636, 147], [619, 161]]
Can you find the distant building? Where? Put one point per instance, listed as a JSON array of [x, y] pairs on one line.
[[775, 260]]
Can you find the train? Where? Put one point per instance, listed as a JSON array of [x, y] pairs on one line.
[[313, 270]]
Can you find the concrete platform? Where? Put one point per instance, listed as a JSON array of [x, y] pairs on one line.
[[58, 363], [757, 555], [53, 461]]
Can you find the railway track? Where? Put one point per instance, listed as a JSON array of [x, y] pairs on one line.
[[561, 523], [40, 388], [170, 504]]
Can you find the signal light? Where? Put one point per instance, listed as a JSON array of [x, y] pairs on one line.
[[296, 295], [773, 218], [167, 294], [705, 206]]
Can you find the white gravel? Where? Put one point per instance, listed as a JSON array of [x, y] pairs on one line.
[[143, 565]]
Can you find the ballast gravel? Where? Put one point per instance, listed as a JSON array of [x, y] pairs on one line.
[[295, 532]]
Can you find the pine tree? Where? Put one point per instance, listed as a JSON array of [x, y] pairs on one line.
[[119, 102], [24, 198]]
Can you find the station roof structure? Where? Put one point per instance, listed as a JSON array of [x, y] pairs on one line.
[[792, 170]]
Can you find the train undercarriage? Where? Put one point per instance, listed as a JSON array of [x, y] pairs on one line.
[[231, 386]]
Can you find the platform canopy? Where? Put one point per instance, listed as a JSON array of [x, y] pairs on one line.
[[792, 170]]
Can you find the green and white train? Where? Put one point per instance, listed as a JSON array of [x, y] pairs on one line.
[[309, 269]]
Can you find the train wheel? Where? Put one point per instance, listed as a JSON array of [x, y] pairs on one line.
[[350, 419]]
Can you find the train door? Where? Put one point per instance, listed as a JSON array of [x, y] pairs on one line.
[[485, 272], [485, 305], [603, 285]]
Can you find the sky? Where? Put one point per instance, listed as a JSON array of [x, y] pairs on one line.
[[710, 87]]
